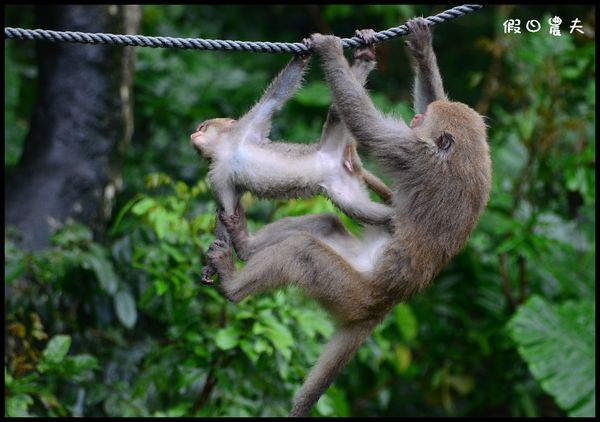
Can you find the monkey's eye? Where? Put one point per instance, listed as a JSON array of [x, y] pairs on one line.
[[444, 141]]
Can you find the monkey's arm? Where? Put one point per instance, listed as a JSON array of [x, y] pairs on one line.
[[221, 234], [428, 81], [380, 135], [363, 65], [256, 123]]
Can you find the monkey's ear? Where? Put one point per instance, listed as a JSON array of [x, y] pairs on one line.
[[444, 141]]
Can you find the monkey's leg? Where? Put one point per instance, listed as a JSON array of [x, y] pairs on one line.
[[301, 260], [281, 89], [349, 193], [273, 233], [365, 52], [368, 212], [381, 135], [322, 274], [335, 135]]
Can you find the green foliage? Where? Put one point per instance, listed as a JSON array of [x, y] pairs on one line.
[[118, 325], [156, 240], [16, 108], [25, 394], [558, 344]]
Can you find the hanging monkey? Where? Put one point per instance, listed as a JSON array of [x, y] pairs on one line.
[[441, 169], [244, 159]]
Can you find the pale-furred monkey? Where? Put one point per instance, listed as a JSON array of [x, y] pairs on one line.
[[244, 159], [441, 169]]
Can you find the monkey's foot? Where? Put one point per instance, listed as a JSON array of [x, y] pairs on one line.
[[236, 227], [207, 272], [366, 52], [307, 43], [419, 39], [221, 259], [302, 58]]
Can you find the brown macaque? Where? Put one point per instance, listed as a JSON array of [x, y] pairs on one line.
[[244, 159], [441, 169]]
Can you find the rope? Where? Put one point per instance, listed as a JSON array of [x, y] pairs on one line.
[[226, 45]]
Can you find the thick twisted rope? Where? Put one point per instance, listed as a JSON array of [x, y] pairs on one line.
[[226, 45]]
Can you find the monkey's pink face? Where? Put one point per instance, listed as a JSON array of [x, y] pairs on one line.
[[208, 132], [198, 136], [417, 120]]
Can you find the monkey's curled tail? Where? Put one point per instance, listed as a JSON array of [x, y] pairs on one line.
[[338, 352]]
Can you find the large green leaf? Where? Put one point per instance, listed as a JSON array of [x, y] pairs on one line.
[[16, 406], [103, 268], [227, 338], [125, 308], [55, 352], [558, 343], [57, 348], [406, 321]]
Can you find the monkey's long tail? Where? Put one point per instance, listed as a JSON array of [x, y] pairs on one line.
[[338, 352]]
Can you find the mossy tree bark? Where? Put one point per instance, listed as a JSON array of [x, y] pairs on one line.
[[82, 120]]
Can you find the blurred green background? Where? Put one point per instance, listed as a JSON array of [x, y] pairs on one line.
[[121, 327]]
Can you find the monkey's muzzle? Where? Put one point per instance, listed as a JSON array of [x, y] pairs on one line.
[[417, 120], [196, 138]]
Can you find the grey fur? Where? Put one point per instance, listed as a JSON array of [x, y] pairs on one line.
[[244, 159], [438, 196]]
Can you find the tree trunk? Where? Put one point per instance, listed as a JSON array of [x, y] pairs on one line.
[[82, 120]]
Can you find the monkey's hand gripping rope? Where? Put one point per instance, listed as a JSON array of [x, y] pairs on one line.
[[226, 45]]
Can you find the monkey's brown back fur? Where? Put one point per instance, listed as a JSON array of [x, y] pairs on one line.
[[437, 201]]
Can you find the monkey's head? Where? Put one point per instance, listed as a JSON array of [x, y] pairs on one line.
[[456, 141], [207, 136], [455, 132]]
